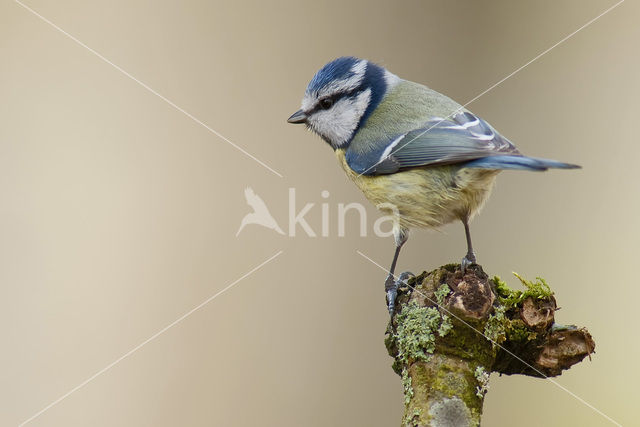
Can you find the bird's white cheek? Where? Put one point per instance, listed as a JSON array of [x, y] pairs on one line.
[[338, 124]]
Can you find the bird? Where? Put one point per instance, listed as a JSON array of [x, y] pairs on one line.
[[260, 214], [415, 153]]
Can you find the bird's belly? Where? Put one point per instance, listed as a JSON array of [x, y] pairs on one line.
[[426, 197]]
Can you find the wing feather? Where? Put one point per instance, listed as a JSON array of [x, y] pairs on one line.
[[463, 138]]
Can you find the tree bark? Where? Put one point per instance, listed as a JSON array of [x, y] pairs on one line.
[[450, 331]]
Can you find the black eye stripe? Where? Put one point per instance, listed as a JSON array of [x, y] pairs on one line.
[[333, 98]]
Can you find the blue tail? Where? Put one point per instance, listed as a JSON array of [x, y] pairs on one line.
[[518, 163]]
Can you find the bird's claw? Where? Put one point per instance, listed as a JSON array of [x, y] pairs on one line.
[[467, 261], [391, 288]]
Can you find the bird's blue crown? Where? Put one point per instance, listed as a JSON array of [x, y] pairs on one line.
[[346, 67], [337, 69]]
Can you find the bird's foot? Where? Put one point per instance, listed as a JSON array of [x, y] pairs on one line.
[[468, 260], [391, 288]]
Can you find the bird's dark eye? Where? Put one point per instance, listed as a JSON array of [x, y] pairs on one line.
[[326, 103]]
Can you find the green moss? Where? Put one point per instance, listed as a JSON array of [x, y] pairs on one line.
[[451, 378], [499, 328], [538, 289], [517, 331], [510, 298], [462, 342], [502, 290]]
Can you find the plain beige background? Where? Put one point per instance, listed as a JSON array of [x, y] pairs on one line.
[[119, 213]]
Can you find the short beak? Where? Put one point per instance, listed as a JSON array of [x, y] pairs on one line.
[[298, 117]]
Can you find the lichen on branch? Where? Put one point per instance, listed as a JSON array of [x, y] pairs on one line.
[[451, 331]]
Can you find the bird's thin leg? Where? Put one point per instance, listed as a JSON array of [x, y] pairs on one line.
[[391, 284], [390, 278], [470, 257]]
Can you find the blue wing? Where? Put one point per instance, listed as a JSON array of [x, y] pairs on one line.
[[465, 138]]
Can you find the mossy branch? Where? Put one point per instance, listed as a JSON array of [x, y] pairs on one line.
[[450, 332]]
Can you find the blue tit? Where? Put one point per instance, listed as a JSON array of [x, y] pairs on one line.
[[416, 154]]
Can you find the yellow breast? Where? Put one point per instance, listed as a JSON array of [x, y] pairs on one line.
[[425, 197]]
